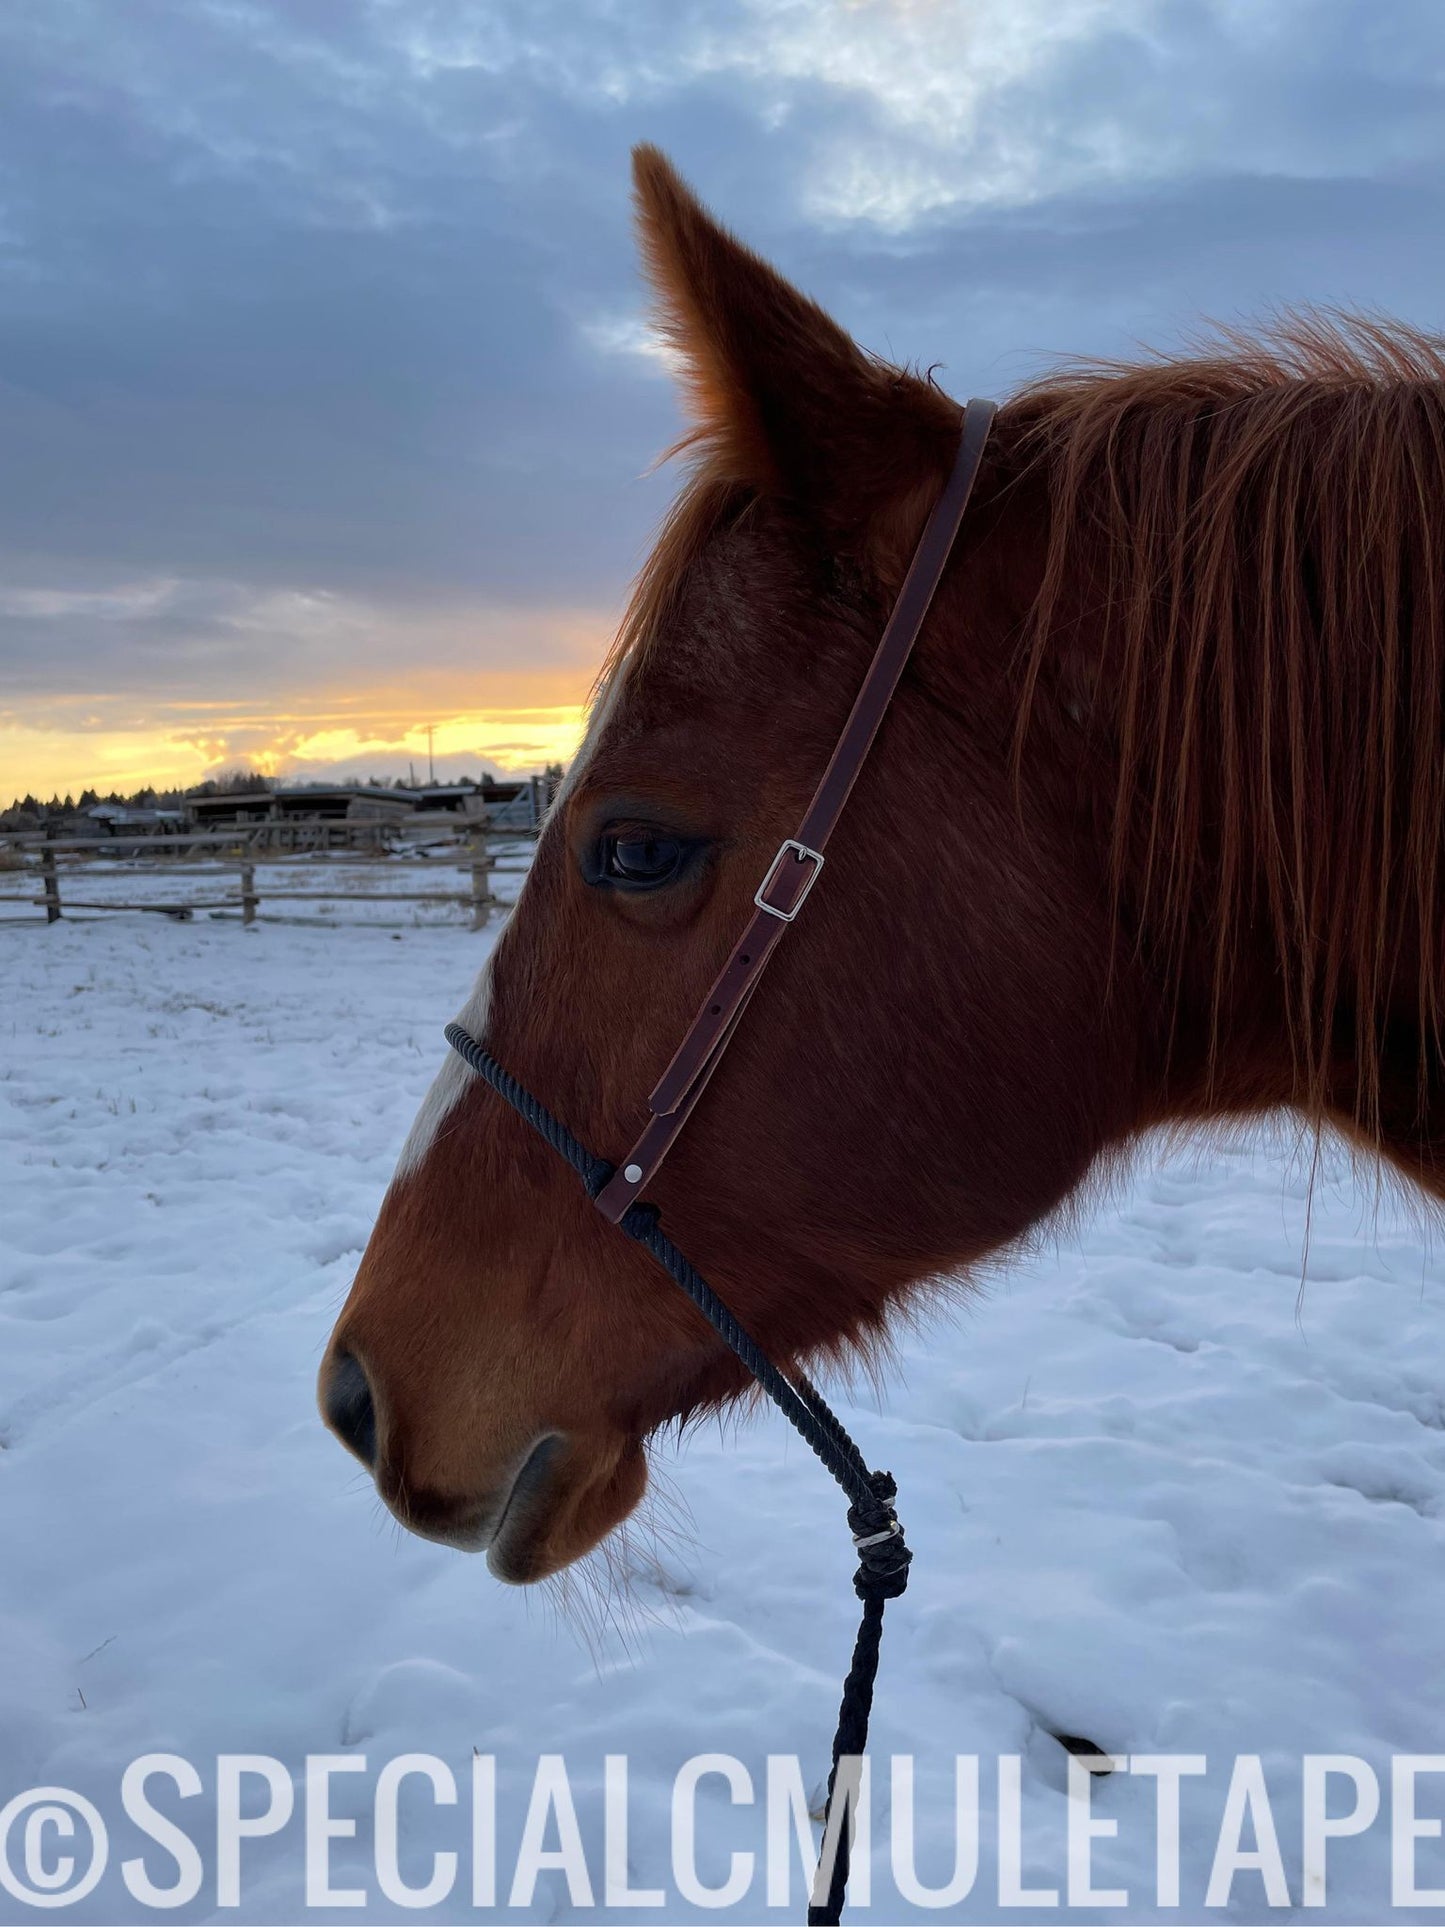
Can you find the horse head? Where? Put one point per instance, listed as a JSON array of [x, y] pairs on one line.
[[931, 1064]]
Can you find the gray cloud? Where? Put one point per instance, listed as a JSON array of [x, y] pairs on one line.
[[326, 300]]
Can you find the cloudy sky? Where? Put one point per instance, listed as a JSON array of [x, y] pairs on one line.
[[326, 399]]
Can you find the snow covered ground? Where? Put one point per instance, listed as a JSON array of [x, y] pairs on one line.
[[1157, 1499]]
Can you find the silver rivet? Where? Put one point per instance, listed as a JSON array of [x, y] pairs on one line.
[[632, 1173]]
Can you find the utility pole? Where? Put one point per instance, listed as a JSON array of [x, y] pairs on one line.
[[431, 768]]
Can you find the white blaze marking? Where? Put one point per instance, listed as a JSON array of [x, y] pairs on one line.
[[450, 1081]]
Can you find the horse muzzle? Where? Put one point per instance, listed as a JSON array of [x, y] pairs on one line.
[[556, 1499]]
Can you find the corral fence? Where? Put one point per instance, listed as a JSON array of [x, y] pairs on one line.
[[225, 873]]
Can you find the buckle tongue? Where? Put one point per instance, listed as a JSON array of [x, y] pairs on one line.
[[801, 854]]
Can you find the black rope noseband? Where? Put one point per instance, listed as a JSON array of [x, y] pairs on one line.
[[883, 1557]]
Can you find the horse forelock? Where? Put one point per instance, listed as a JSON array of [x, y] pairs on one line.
[[710, 502]]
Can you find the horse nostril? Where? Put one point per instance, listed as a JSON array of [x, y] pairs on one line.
[[348, 1407]]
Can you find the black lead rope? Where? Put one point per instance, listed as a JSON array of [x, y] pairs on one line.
[[883, 1557]]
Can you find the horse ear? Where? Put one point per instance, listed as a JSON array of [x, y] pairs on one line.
[[784, 399]]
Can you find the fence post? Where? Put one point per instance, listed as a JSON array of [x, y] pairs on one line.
[[249, 899], [482, 898], [51, 885]]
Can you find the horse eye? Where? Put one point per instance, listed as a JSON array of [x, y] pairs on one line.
[[643, 859]]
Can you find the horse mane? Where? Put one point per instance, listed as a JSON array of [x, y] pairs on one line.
[[1258, 531]]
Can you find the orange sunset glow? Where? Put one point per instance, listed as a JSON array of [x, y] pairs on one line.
[[508, 720], [171, 754]]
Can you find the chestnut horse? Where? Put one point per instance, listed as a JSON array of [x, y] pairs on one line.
[[1151, 835]]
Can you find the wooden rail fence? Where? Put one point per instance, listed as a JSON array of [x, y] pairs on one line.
[[475, 859]]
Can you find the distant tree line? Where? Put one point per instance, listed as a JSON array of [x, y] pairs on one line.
[[29, 813]]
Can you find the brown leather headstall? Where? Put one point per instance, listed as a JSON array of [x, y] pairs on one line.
[[799, 862]]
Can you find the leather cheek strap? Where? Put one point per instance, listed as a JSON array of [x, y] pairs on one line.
[[799, 861]]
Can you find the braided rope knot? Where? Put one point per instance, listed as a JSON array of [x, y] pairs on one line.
[[883, 1555]]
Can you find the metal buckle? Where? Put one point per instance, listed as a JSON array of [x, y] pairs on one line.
[[803, 852]]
